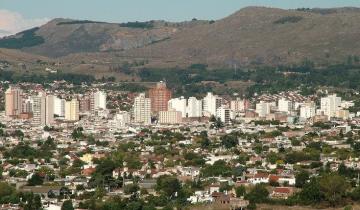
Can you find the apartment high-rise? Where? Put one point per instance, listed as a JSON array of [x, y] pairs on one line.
[[39, 109], [307, 110], [13, 101], [59, 107], [178, 104], [263, 108], [329, 105], [194, 107], [98, 100], [170, 117], [72, 110], [120, 120], [225, 114], [159, 96], [210, 104], [285, 105], [27, 106], [84, 104], [49, 109], [239, 105], [142, 109]]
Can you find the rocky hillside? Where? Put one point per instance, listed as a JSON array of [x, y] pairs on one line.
[[61, 37], [251, 36], [265, 36]]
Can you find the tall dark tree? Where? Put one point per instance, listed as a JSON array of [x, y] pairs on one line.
[[168, 185], [301, 178], [67, 205]]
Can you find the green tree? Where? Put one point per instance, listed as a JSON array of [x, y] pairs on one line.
[[334, 187], [5, 189], [229, 141], [258, 194], [220, 167], [168, 185], [35, 180], [301, 178], [272, 157], [311, 193], [240, 191], [355, 194], [131, 189], [67, 205], [37, 202]]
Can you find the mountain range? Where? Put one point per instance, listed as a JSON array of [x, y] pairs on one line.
[[251, 36]]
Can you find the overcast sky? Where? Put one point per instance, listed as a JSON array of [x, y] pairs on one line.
[[17, 15]]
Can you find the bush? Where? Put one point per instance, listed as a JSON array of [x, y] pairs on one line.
[[136, 24], [288, 19], [258, 194]]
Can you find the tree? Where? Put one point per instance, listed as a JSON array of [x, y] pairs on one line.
[[37, 202], [229, 141], [35, 180], [77, 133], [77, 163], [168, 185], [67, 205], [218, 123], [220, 167], [131, 189], [240, 191], [5, 189], [224, 186], [355, 194], [311, 193], [258, 194], [33, 202], [272, 157], [334, 187], [301, 178]]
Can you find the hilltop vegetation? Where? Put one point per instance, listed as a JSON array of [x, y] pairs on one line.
[[136, 24], [22, 40], [305, 77]]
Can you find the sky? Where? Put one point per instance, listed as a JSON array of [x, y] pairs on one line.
[[17, 15]]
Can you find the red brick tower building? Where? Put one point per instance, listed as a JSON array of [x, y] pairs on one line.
[[159, 96]]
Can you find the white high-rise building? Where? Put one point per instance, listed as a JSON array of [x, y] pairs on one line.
[[194, 107], [49, 110], [210, 104], [98, 100], [237, 105], [142, 109], [307, 110], [329, 105], [263, 108], [121, 119], [285, 105], [225, 114], [72, 110], [59, 107], [39, 109], [178, 104]]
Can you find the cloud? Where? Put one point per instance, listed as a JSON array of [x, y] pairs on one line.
[[13, 22]]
